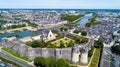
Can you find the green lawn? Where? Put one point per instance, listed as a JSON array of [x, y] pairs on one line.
[[15, 54], [96, 57], [90, 54], [89, 59], [65, 40]]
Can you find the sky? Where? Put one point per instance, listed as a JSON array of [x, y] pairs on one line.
[[68, 4]]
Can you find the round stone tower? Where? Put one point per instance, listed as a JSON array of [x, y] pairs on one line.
[[75, 55], [84, 57]]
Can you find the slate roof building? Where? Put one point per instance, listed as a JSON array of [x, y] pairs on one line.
[[47, 35]]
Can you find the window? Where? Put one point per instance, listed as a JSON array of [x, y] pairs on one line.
[[50, 35]]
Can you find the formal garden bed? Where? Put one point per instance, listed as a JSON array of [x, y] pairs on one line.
[[57, 43], [64, 42]]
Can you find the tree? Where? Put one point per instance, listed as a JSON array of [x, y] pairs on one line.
[[42, 43], [62, 45], [18, 36], [49, 45], [62, 29], [84, 40], [70, 18], [62, 63], [118, 31], [71, 43], [77, 39], [117, 48], [65, 29], [87, 25], [55, 31], [39, 62], [51, 62], [76, 31], [98, 43], [84, 33], [35, 44], [90, 52]]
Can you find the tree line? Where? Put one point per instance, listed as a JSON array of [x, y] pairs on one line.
[[51, 62]]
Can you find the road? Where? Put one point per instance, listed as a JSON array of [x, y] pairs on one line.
[[21, 63]]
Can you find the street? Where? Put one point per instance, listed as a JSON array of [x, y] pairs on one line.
[[21, 63]]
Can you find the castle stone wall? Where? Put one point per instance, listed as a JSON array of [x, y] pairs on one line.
[[72, 53]]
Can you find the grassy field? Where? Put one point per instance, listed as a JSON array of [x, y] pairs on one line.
[[95, 59], [64, 40]]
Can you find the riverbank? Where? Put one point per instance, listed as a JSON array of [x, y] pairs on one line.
[[19, 29], [75, 21], [48, 26], [37, 31]]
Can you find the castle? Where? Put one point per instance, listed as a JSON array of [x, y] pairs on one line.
[[75, 54]]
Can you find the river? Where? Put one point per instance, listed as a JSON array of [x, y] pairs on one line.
[[26, 33], [85, 19]]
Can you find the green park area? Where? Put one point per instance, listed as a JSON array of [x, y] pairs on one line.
[[64, 42], [59, 43], [71, 18], [92, 21]]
